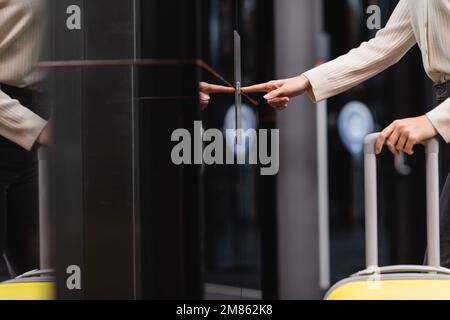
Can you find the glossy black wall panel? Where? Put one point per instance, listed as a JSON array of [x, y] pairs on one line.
[[108, 153], [93, 188], [122, 210], [171, 208], [108, 184], [66, 174], [110, 29]]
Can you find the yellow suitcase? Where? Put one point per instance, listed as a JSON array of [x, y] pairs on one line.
[[36, 284], [406, 282]]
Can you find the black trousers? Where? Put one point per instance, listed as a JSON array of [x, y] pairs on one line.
[[443, 93], [19, 200]]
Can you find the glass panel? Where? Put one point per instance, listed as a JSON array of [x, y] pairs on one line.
[[232, 218]]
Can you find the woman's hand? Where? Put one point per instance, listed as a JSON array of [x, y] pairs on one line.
[[403, 135], [279, 92], [206, 89], [44, 139]]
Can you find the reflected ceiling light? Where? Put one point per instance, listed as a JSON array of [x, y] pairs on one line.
[[248, 121], [355, 122]]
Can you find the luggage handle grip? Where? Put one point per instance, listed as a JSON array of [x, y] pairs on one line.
[[432, 186]]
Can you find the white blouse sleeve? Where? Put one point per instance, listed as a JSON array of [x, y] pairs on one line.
[[388, 46], [18, 123]]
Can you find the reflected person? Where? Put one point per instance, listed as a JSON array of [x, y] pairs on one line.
[[22, 129]]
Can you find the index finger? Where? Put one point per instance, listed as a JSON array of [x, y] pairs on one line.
[[262, 87], [214, 88], [384, 135]]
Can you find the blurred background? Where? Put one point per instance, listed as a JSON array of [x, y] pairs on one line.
[[141, 227]]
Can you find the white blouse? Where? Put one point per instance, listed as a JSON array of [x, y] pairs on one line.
[[425, 22], [20, 46]]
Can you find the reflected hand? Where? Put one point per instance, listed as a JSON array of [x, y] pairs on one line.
[[206, 89], [403, 135], [44, 138], [279, 92]]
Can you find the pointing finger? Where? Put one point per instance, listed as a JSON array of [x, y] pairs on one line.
[[262, 87], [213, 88]]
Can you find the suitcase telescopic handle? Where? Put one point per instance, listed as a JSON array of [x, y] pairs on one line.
[[44, 219], [432, 186]]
